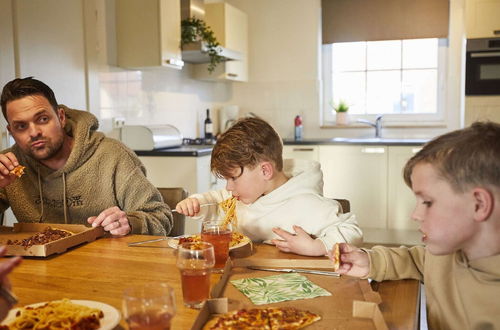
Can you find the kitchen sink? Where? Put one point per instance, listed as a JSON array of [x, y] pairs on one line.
[[374, 140]]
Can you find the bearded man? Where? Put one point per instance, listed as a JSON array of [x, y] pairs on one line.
[[73, 173]]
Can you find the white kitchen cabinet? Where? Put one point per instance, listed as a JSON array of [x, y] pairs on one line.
[[357, 173], [230, 26], [191, 173], [482, 18], [301, 152], [370, 177], [148, 33], [400, 198]]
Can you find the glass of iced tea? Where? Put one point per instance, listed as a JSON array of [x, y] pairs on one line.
[[195, 261], [219, 234], [150, 306]]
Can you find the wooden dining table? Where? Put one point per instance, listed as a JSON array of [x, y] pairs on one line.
[[102, 269]]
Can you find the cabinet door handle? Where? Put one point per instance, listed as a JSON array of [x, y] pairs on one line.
[[373, 150], [496, 32], [232, 75], [303, 149], [488, 54]]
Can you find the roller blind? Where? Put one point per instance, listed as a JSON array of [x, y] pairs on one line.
[[371, 20]]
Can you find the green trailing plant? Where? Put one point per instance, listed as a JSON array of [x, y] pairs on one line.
[[340, 107], [194, 29]]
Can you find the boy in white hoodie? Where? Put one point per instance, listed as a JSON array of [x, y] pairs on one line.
[[278, 202]]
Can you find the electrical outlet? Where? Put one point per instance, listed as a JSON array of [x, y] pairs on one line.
[[118, 122]]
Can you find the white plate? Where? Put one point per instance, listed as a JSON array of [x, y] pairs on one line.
[[110, 320], [174, 242]]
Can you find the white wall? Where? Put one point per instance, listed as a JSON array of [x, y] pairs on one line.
[[284, 72]]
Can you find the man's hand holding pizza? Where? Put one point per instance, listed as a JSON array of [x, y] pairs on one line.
[[8, 165], [113, 220]]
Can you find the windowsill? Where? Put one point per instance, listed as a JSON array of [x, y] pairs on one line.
[[386, 125]]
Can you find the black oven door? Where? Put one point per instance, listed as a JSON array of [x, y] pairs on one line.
[[482, 75]]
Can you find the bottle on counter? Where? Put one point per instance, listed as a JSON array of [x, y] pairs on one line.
[[298, 127], [209, 128]]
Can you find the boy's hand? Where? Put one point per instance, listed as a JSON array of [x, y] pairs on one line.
[[353, 261], [7, 163], [188, 206], [299, 243]]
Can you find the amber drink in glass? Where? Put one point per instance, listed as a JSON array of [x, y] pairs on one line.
[[149, 307], [219, 234], [195, 262]]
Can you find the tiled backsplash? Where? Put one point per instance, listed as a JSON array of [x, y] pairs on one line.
[[159, 96]]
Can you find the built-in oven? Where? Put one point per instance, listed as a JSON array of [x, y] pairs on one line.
[[482, 72]]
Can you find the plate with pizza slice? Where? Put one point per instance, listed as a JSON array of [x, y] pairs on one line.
[[237, 240]]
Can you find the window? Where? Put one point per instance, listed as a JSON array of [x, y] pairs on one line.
[[401, 79]]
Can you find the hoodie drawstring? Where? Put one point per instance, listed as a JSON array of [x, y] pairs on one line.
[[41, 195], [40, 192], [64, 199]]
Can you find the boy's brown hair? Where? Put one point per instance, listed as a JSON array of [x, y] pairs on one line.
[[248, 142], [464, 158]]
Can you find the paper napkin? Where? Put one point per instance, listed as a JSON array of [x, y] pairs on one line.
[[276, 288]]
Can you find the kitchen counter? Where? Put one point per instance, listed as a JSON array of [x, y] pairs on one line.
[[205, 150], [182, 151], [358, 141]]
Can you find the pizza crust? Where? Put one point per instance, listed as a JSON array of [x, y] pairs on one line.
[[336, 257], [18, 171]]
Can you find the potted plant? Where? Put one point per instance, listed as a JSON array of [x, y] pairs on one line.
[[341, 109], [193, 30]]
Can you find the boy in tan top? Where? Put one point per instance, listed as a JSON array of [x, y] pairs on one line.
[[456, 181]]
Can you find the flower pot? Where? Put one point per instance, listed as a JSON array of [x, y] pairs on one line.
[[342, 118]]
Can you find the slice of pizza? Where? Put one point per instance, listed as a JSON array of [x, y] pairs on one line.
[[190, 239], [254, 319], [336, 257], [290, 318], [18, 171]]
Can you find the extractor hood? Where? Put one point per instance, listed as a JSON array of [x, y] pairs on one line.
[[196, 52]]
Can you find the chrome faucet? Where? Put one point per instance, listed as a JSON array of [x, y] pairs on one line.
[[377, 124]]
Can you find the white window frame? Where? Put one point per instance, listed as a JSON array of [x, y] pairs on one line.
[[395, 120]]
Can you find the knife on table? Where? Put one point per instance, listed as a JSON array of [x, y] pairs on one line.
[[296, 270]]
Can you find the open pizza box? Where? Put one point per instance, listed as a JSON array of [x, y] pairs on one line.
[[336, 309], [20, 231]]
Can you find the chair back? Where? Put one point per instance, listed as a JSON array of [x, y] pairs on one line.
[[344, 204], [172, 196]]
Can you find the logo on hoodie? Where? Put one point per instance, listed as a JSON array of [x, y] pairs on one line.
[[72, 201]]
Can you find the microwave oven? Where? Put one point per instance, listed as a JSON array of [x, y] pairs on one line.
[[482, 67]]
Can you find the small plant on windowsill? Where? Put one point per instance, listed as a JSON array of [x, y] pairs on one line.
[[194, 29], [341, 110]]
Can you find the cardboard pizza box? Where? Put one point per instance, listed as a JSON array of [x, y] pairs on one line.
[[20, 231], [335, 309]]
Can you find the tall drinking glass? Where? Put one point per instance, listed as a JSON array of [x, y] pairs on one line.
[[219, 234], [150, 306], [195, 262]]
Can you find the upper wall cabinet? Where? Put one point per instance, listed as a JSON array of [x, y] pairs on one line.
[[148, 33], [230, 26], [482, 18]]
